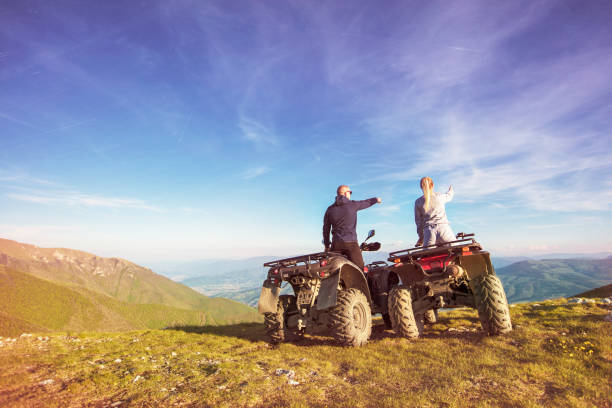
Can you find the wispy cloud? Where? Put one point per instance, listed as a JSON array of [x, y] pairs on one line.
[[77, 199], [255, 132], [19, 177], [255, 172], [443, 108], [17, 121]]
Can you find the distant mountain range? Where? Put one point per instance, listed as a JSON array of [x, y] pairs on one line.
[[528, 281], [524, 278], [66, 289]]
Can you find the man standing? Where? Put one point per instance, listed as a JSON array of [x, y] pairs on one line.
[[341, 218]]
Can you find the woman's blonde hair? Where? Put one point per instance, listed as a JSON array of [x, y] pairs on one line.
[[427, 187]]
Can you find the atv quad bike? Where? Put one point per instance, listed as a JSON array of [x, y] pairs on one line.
[[455, 274], [331, 297]]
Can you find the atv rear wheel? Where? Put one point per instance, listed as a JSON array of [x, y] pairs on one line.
[[492, 305], [430, 316], [402, 316], [350, 321], [275, 322]]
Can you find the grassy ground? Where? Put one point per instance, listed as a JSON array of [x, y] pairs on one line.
[[559, 354]]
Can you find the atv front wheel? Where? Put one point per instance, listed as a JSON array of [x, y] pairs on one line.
[[350, 321], [492, 305], [431, 316], [402, 316], [275, 322]]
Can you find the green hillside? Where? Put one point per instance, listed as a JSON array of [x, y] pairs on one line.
[[558, 355], [120, 280], [603, 292], [32, 304], [547, 279]]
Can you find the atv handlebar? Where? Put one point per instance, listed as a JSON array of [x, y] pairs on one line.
[[372, 246]]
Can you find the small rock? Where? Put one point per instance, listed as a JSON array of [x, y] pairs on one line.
[[576, 300], [46, 382], [536, 305], [287, 373], [292, 382], [222, 387], [606, 300], [137, 378], [174, 354], [118, 360], [116, 404]]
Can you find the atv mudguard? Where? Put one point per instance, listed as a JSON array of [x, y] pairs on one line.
[[350, 275], [268, 299], [476, 264], [380, 281]]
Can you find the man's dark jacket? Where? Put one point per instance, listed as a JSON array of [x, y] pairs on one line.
[[341, 218]]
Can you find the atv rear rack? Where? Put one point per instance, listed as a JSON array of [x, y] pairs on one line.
[[305, 259], [447, 247]]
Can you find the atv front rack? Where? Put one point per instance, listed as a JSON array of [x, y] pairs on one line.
[[448, 247], [305, 259]]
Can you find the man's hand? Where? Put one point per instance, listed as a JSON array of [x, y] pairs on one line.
[[378, 200]]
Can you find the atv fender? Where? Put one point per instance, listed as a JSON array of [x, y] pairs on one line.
[[380, 283], [476, 265], [410, 273], [351, 277], [268, 299], [328, 293]]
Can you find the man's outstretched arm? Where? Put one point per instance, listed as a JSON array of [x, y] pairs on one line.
[[363, 204]]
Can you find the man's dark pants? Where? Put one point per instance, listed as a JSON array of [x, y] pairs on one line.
[[351, 250]]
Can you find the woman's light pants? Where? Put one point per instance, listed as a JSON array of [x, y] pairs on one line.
[[437, 234]]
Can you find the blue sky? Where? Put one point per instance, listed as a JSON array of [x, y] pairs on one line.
[[170, 130]]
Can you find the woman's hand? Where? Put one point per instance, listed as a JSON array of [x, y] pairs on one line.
[[419, 242]]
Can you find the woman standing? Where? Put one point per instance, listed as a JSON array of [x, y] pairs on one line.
[[430, 215]]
